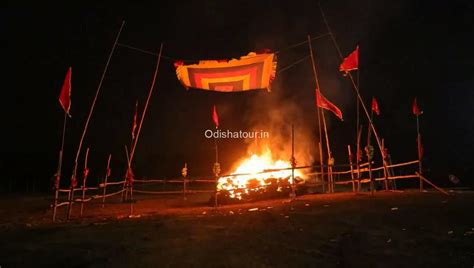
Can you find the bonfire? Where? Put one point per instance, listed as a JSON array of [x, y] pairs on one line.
[[257, 175]]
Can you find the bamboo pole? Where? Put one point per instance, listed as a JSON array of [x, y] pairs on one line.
[[372, 186], [352, 169], [216, 169], [74, 173], [86, 173], [432, 184], [385, 170], [184, 173], [321, 160], [58, 172], [330, 175], [358, 156], [107, 173], [293, 163], [132, 153], [419, 150]]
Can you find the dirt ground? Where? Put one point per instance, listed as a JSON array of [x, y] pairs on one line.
[[391, 229]]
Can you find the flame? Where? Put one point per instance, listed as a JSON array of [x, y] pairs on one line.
[[248, 176]]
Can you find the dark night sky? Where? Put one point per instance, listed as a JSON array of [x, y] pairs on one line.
[[408, 49]]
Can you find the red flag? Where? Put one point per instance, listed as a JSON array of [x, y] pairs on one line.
[[375, 106], [416, 109], [134, 127], [322, 102], [65, 95], [178, 63], [351, 62], [215, 117]]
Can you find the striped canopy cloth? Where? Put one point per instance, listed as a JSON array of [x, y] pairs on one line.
[[254, 71]]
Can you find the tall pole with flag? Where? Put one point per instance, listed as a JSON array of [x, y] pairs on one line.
[[65, 102], [417, 112], [369, 148], [320, 146]]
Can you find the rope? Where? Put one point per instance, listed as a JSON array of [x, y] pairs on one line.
[[193, 60], [293, 64]]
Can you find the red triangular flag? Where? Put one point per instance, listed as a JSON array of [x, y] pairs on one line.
[[351, 62], [178, 63], [322, 102], [134, 127], [415, 109], [375, 106], [65, 95], [215, 117]]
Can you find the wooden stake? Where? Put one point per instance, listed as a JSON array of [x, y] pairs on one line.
[[107, 171], [321, 159], [293, 163], [359, 154], [330, 175], [385, 169], [352, 169], [184, 173], [372, 185], [419, 151], [86, 172], [58, 172]]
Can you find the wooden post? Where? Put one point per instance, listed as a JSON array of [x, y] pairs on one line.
[[293, 163], [86, 172], [330, 175], [385, 169], [352, 169], [369, 157], [419, 152], [58, 172], [358, 155], [124, 185], [184, 172], [321, 159], [216, 170], [107, 174]]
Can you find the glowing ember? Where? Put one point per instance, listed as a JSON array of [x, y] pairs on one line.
[[248, 176]]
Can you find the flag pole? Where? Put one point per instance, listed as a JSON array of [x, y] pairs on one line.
[[74, 173], [358, 131], [419, 150], [58, 172], [321, 160], [355, 87]]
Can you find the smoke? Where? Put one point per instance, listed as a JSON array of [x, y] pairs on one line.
[[276, 114]]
